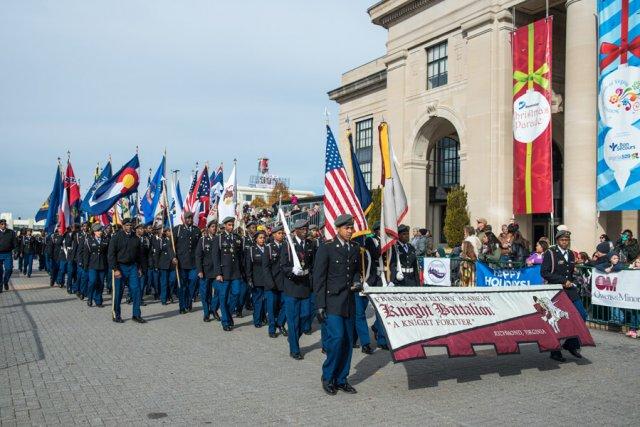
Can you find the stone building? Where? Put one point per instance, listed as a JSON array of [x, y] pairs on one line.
[[445, 88]]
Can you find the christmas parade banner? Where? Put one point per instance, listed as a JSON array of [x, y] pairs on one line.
[[460, 318], [532, 172], [526, 276], [618, 105]]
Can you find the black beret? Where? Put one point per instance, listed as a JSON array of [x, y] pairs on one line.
[[228, 219], [188, 214], [212, 222], [563, 233], [403, 228], [276, 228], [126, 221], [342, 220], [301, 223]]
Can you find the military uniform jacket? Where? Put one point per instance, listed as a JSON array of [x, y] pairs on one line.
[[258, 266], [65, 243], [408, 263], [124, 249], [204, 256], [274, 265], [151, 259], [186, 239], [48, 245], [40, 245], [336, 269], [228, 256], [297, 286], [556, 270], [145, 250], [94, 253], [29, 245], [162, 252], [8, 240], [372, 246], [78, 248]]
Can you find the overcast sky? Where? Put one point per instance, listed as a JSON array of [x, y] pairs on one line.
[[208, 80]]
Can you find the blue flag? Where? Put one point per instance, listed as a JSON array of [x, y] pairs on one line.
[[359, 184], [104, 176], [121, 184], [151, 201], [51, 216]]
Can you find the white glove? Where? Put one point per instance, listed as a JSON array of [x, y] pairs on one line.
[[297, 271], [390, 285]]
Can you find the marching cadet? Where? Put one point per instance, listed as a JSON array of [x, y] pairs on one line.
[[154, 277], [165, 259], [8, 242], [314, 237], [186, 239], [227, 264], [107, 234], [40, 250], [258, 272], [65, 242], [19, 252], [558, 266], [336, 280], [204, 265], [246, 298], [48, 252], [145, 249], [297, 285], [376, 278], [28, 249], [54, 254], [94, 255], [404, 262], [273, 290], [124, 259], [79, 284]]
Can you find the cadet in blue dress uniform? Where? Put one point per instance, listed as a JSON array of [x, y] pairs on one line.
[[336, 280], [124, 259], [204, 265], [8, 242], [80, 282], [165, 259], [244, 294], [95, 262], [186, 238], [558, 265], [376, 273], [28, 249], [227, 264], [65, 270], [275, 307], [406, 272], [297, 285], [258, 271]]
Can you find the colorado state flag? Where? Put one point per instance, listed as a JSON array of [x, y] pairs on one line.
[[121, 184]]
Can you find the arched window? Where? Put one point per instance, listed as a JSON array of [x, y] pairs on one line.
[[444, 163]]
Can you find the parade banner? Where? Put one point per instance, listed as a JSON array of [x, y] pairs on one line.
[[619, 290], [618, 105], [437, 271], [532, 172], [459, 318], [527, 276]]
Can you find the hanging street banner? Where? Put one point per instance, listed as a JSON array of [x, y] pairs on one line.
[[619, 290], [618, 105], [437, 271], [532, 172], [459, 318], [526, 276]]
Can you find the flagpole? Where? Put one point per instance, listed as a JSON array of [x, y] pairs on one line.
[[166, 201]]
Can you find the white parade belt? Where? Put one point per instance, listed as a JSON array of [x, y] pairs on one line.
[[407, 270]]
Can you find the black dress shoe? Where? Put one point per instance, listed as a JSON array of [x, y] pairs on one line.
[[117, 319], [557, 356], [138, 319], [307, 332], [239, 314], [329, 388], [259, 325], [347, 388], [273, 336], [183, 311], [366, 349], [356, 346], [573, 351], [206, 319], [99, 305], [89, 304], [283, 331], [216, 317], [324, 351], [383, 347], [227, 329], [297, 356]]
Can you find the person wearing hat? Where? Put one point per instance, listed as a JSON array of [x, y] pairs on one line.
[[94, 256], [276, 315], [8, 243], [246, 293], [124, 260], [314, 237], [153, 232], [164, 260], [336, 280], [558, 266], [405, 270], [81, 276], [145, 250], [54, 256], [65, 271], [228, 268], [481, 227], [297, 284], [186, 238], [28, 250], [258, 272], [206, 272]]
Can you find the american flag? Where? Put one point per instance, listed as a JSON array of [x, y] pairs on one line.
[[339, 197], [198, 200]]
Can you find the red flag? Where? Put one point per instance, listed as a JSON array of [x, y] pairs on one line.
[[72, 186], [532, 164]]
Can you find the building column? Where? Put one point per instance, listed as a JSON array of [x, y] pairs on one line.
[[416, 190], [580, 125]]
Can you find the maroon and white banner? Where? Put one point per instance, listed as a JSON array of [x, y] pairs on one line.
[[459, 318]]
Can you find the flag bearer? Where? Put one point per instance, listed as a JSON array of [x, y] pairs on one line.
[[227, 261], [273, 290], [258, 272], [336, 280], [95, 261], [186, 239], [297, 284], [124, 259], [404, 261], [204, 265]]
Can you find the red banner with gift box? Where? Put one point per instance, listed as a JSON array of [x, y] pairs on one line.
[[532, 167]]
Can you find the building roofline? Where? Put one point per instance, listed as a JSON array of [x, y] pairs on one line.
[[405, 9], [368, 84]]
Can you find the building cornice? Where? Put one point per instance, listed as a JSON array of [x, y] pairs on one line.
[[368, 84], [386, 15]]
